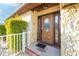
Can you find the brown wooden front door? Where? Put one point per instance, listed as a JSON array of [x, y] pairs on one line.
[[47, 29]]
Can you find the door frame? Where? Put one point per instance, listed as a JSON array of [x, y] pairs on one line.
[[40, 40]]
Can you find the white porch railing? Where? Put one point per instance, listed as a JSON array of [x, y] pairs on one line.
[[12, 44]]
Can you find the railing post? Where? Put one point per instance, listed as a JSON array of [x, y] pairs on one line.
[[23, 41], [28, 39]]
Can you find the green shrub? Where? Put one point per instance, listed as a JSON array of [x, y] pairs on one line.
[[2, 30], [12, 27], [17, 26]]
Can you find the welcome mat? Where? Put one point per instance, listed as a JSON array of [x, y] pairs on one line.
[[41, 45]]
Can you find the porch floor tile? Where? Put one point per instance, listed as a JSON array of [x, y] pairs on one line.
[[49, 50]]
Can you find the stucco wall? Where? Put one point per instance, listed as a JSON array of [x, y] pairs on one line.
[[31, 18], [34, 27], [70, 30], [28, 18]]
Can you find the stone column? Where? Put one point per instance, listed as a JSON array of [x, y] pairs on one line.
[[70, 30]]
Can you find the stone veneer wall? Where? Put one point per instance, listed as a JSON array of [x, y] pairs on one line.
[[70, 30]]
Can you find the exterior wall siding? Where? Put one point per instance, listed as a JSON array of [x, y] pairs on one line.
[[34, 27], [28, 18], [70, 30], [31, 18]]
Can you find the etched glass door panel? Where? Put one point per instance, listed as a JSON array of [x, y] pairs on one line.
[[46, 24]]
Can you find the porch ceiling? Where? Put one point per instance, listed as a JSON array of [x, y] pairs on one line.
[[45, 6], [33, 6], [26, 7], [37, 7]]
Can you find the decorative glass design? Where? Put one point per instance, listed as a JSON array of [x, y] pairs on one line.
[[46, 24]]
